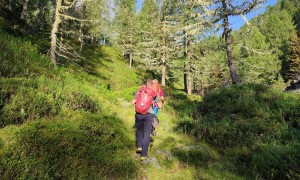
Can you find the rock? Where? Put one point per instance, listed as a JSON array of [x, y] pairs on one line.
[[164, 153], [152, 161]]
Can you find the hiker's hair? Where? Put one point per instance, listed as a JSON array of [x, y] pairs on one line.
[[156, 85], [149, 82]]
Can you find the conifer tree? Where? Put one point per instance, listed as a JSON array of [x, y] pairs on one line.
[[225, 9], [191, 22], [166, 40], [210, 68], [126, 27], [256, 62], [148, 51], [277, 26], [293, 56], [70, 15]]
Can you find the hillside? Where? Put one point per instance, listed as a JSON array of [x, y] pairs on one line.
[[57, 122], [74, 121]]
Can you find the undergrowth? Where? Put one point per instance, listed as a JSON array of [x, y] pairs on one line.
[[256, 127], [75, 122], [55, 122], [86, 147]]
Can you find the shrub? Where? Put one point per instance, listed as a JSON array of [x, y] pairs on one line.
[[87, 147], [193, 156], [244, 115], [255, 117], [276, 161], [20, 58], [28, 105]]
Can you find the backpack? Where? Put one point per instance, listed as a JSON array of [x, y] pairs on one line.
[[144, 99]]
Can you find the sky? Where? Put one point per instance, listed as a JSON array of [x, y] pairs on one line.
[[237, 21]]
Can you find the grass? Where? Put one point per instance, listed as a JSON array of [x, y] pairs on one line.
[[75, 121]]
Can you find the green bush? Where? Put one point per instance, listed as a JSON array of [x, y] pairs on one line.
[[256, 126], [245, 115], [76, 101], [276, 161], [20, 58], [87, 147], [193, 156], [28, 105], [43, 97]]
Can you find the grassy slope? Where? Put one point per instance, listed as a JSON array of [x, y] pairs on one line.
[[77, 122]]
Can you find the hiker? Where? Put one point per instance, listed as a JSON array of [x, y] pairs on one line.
[[143, 101], [158, 90]]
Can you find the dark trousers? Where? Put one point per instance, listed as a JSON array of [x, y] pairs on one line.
[[143, 124]]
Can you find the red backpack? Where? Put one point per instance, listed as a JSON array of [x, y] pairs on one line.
[[144, 99]]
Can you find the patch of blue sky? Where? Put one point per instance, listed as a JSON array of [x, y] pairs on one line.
[[235, 21]]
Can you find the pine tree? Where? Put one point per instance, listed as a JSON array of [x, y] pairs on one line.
[[69, 19], [166, 40], [256, 62], [147, 50], [191, 22], [293, 56], [98, 12], [210, 65], [126, 27], [225, 9], [277, 26]]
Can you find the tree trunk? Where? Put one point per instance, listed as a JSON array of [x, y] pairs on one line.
[[54, 31], [24, 11], [80, 37], [189, 83], [163, 69], [187, 67], [8, 5], [131, 51], [189, 76], [185, 77], [164, 51], [201, 87], [233, 74], [130, 60]]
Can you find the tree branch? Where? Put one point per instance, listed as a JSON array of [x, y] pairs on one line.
[[76, 19]]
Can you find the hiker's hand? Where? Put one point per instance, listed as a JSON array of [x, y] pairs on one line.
[[159, 105], [133, 101]]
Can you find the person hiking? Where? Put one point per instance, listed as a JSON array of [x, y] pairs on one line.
[[143, 101], [158, 90]]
